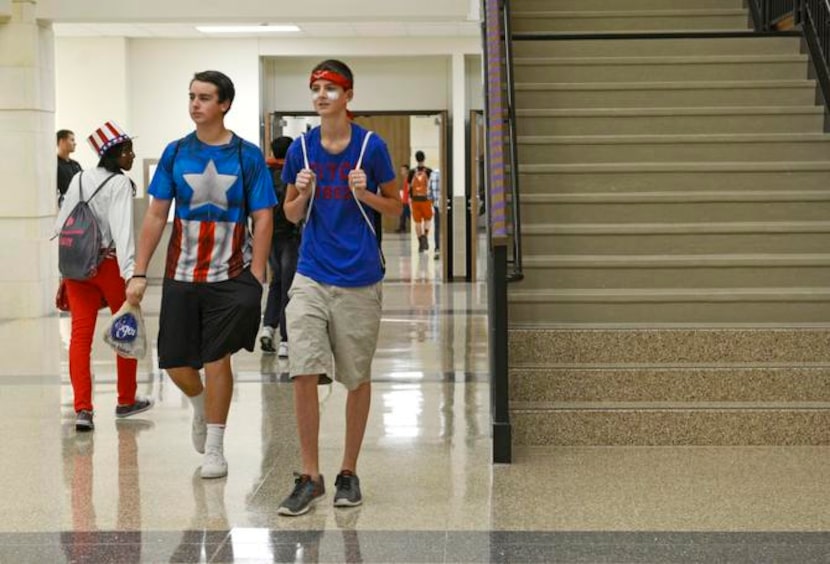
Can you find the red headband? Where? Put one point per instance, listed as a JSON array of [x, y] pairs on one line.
[[331, 76]]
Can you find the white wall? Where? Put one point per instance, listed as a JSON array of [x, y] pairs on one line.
[[425, 136], [159, 76], [91, 88], [381, 83], [475, 82], [146, 83], [249, 11]]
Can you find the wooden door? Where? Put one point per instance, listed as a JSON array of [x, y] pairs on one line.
[[395, 131]]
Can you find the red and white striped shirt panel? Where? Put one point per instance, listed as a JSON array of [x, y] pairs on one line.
[[207, 251]]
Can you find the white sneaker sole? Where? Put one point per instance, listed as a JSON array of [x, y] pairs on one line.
[[212, 473]]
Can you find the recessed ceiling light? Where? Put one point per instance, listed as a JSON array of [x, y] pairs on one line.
[[263, 28]]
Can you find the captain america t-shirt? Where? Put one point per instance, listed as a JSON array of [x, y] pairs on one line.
[[210, 241], [338, 247]]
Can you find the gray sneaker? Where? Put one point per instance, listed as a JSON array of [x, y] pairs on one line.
[[266, 340], [83, 421], [306, 493], [348, 490], [138, 406]]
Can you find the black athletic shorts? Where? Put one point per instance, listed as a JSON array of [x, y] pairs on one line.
[[203, 322]]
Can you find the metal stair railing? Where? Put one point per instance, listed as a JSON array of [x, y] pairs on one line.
[[500, 132], [812, 19]]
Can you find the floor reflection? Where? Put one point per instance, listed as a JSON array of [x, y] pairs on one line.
[[84, 542]]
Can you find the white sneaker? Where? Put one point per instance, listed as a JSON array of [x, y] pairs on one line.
[[283, 352], [198, 434], [214, 465]]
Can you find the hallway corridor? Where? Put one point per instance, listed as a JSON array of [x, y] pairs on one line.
[[130, 491]]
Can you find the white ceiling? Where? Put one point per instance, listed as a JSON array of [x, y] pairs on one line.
[[461, 28]]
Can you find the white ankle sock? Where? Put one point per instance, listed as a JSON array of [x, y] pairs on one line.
[[198, 403], [215, 437]]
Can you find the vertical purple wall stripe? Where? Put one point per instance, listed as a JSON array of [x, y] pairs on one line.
[[495, 119]]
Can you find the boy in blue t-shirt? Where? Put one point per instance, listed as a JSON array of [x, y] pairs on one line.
[[340, 180]]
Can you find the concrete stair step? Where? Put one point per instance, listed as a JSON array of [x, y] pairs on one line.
[[617, 5], [544, 272], [623, 178], [746, 44], [654, 121], [649, 383], [583, 21], [801, 237], [660, 68], [671, 305], [694, 423], [684, 207], [666, 94], [652, 344], [673, 148], [652, 383]]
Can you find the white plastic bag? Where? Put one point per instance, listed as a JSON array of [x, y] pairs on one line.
[[125, 332]]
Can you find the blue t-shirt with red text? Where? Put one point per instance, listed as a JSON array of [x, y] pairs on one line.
[[338, 247]]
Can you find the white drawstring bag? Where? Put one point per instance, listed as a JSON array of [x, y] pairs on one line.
[[125, 332]]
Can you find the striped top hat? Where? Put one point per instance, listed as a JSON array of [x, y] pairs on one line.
[[106, 136]]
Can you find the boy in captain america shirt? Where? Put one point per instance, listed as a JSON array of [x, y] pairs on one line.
[[210, 304], [336, 298]]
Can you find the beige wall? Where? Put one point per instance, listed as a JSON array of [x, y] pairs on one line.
[[27, 164]]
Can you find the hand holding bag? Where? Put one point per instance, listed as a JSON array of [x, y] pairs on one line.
[[125, 332]]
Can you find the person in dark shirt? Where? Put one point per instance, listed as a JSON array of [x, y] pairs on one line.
[[67, 168], [285, 246]]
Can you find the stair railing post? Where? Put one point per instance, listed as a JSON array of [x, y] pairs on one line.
[[497, 231]]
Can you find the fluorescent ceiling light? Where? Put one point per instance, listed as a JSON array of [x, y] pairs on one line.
[[263, 28]]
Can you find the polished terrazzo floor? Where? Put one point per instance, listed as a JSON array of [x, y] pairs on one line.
[[130, 491]]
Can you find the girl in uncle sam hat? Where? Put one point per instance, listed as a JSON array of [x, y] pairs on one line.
[[112, 207]]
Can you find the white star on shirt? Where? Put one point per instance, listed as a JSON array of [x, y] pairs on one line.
[[209, 187]]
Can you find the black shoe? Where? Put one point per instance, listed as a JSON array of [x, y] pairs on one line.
[[140, 405], [306, 493], [348, 490], [83, 421]]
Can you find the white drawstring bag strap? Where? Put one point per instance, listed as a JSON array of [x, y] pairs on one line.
[[313, 182], [356, 167], [360, 206]]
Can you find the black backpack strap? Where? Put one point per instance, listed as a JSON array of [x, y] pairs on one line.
[[173, 163], [242, 177], [107, 179]]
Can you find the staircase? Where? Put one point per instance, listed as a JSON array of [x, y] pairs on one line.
[[675, 195]]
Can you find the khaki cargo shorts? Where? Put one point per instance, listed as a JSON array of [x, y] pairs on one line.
[[330, 322]]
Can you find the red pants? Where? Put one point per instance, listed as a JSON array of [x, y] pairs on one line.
[[84, 301]]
